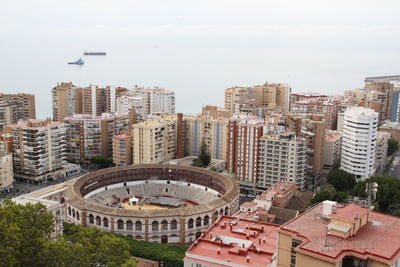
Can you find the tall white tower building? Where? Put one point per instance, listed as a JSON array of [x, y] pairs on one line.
[[359, 141]]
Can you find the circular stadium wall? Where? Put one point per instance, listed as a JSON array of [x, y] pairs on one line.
[[156, 203]]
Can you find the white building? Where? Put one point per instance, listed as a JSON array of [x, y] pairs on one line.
[[6, 172], [156, 99], [127, 103], [359, 141]]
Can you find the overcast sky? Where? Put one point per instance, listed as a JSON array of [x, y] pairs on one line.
[[313, 45]]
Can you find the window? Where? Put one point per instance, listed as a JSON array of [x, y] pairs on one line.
[[206, 220], [105, 222], [164, 225], [129, 225], [138, 226], [198, 222], [174, 225], [98, 220], [154, 226], [120, 224], [91, 219], [190, 223]]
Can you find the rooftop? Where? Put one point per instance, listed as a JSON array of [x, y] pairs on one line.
[[236, 241], [333, 136], [390, 125], [379, 238]]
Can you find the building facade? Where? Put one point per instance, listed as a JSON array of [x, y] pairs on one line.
[[359, 142], [381, 151], [156, 99], [90, 136], [39, 149], [67, 101], [282, 158], [332, 149], [395, 109], [25, 104], [212, 131], [215, 112], [122, 149], [244, 135], [6, 172], [126, 103]]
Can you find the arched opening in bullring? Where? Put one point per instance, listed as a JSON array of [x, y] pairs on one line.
[[206, 220], [91, 219], [105, 222], [164, 239], [221, 212], [198, 234], [120, 224], [190, 223], [164, 225], [215, 216], [174, 225], [198, 222], [77, 215], [138, 226], [154, 226], [226, 211], [98, 220], [129, 225], [69, 211]]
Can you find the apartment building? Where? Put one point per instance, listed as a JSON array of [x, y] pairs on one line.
[[268, 95], [369, 98], [244, 135], [156, 99], [39, 149], [215, 112], [327, 107], [9, 113], [359, 141], [393, 128], [90, 136], [332, 149], [67, 101], [122, 149], [25, 104], [282, 158], [155, 141], [212, 131], [6, 142], [6, 172], [387, 88], [331, 235], [381, 151], [395, 108], [127, 102]]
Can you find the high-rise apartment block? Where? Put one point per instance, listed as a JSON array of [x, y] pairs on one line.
[[369, 98], [282, 158], [244, 135], [154, 141], [9, 113], [212, 131], [359, 141], [327, 107], [381, 151], [269, 95], [126, 103], [6, 172], [156, 99], [332, 149], [39, 149], [387, 88], [90, 136], [6, 143], [67, 101], [25, 102], [122, 149]]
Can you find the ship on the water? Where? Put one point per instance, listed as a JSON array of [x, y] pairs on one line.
[[78, 62], [88, 53]]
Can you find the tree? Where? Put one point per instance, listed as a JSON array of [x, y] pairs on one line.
[[329, 193], [25, 240], [102, 161], [204, 158], [341, 180], [393, 147], [24, 231]]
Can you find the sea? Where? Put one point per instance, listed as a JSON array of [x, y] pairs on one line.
[[198, 68]]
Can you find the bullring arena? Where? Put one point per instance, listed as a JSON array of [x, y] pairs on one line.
[[156, 203]]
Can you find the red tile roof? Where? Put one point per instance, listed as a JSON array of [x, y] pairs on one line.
[[379, 239], [235, 241]]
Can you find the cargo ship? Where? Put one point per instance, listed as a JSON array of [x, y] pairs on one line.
[[86, 53], [78, 62]]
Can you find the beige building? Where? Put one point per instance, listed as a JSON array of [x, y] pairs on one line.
[[215, 112], [268, 95], [387, 89], [67, 101], [212, 131], [90, 136], [332, 235], [282, 158], [6, 172], [122, 149], [154, 141], [6, 142], [382, 139], [332, 149], [39, 149], [25, 104]]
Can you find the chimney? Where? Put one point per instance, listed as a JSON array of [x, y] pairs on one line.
[[247, 258]]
